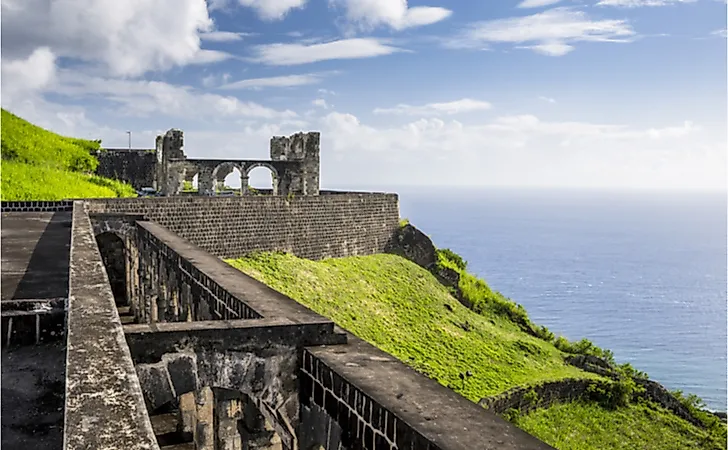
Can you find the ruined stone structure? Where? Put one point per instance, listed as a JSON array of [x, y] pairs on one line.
[[294, 166], [187, 352]]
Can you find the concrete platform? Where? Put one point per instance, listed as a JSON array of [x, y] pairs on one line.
[[35, 255]]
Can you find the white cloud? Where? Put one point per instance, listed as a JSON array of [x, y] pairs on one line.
[[395, 14], [326, 92], [213, 80], [281, 81], [464, 105], [222, 36], [551, 32], [144, 98], [720, 33], [641, 3], [273, 9], [126, 38], [522, 151], [536, 3], [204, 57], [293, 54], [321, 103], [547, 99], [22, 77]]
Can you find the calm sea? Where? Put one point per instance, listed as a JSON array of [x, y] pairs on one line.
[[642, 274]]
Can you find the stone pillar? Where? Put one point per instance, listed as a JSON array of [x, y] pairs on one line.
[[205, 429], [205, 182], [187, 415], [229, 413], [244, 185]]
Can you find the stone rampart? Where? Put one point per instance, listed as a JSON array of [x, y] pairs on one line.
[[313, 227], [136, 166], [104, 402]]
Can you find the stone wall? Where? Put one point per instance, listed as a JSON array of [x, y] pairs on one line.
[[37, 206], [355, 396], [104, 402], [173, 289], [529, 398], [136, 167], [312, 227]]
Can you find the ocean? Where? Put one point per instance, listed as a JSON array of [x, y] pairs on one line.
[[642, 274]]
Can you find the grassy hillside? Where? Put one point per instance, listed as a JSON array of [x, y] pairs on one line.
[[403, 309], [40, 165]]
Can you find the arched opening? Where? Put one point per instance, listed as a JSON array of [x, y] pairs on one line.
[[233, 182], [191, 184], [222, 175], [262, 180], [113, 254]]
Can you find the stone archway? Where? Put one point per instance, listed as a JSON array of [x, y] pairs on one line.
[[114, 255], [275, 178]]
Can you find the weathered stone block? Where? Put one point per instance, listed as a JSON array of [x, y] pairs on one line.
[[155, 384], [182, 369]]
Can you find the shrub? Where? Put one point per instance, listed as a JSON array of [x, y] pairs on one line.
[[452, 257]]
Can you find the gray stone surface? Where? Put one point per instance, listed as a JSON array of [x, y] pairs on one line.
[[35, 250], [33, 379], [104, 403]]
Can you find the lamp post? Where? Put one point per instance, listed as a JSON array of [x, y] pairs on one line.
[[129, 133]]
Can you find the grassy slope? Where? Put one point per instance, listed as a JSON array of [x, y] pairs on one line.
[[40, 165], [582, 426], [400, 307]]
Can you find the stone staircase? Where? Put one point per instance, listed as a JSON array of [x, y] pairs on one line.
[[126, 315], [169, 437]]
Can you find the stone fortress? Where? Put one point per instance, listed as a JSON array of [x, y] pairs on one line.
[[151, 341]]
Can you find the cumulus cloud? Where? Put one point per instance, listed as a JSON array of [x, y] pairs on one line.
[[280, 81], [523, 150], [21, 77], [641, 3], [126, 38], [300, 53], [551, 32], [395, 14], [464, 105]]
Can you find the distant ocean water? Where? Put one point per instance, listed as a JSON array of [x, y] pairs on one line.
[[642, 274]]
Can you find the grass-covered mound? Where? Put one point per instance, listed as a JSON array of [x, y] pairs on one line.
[[401, 308], [589, 426], [41, 165], [404, 310]]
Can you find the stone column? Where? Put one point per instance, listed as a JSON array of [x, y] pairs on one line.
[[229, 413], [205, 429]]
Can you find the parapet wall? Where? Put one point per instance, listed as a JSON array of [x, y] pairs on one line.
[[313, 227]]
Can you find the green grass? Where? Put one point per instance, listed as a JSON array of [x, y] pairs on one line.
[[587, 426], [30, 182], [401, 308], [41, 165]]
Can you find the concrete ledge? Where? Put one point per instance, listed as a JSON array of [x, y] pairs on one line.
[[396, 404], [149, 342], [104, 403], [257, 296], [36, 206]]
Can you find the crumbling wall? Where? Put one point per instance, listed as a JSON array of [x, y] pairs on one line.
[[136, 167]]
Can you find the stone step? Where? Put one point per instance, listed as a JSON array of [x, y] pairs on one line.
[[124, 310], [125, 320], [164, 423]]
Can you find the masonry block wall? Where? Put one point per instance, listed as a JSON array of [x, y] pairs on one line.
[[345, 417], [136, 167], [172, 289], [313, 227]]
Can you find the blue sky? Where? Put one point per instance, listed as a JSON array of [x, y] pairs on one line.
[[581, 94]]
